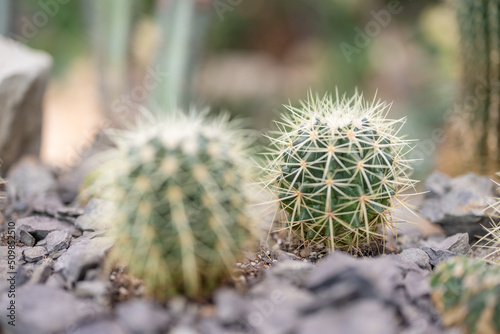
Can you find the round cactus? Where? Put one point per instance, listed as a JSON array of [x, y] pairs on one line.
[[336, 169], [491, 240], [181, 192], [467, 294]]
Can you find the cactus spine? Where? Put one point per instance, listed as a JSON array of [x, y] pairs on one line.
[[336, 169], [181, 192], [491, 240], [467, 294], [477, 107]]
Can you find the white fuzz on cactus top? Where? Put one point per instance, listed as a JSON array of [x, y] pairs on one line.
[[337, 169]]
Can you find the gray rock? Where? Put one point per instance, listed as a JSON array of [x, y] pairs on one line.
[[458, 244], [81, 256], [276, 306], [141, 316], [295, 272], [34, 254], [367, 317], [57, 241], [436, 256], [91, 289], [102, 326], [417, 256], [437, 185], [56, 280], [96, 216], [33, 184], [46, 310], [42, 272], [459, 205], [40, 227], [183, 329], [417, 285], [26, 238], [230, 306], [23, 78], [341, 277]]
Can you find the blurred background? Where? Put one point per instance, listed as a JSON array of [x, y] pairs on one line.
[[245, 56]]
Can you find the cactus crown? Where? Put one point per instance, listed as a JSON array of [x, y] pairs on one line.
[[181, 192], [337, 168], [467, 293]]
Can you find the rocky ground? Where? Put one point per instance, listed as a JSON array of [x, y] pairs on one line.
[[60, 287]]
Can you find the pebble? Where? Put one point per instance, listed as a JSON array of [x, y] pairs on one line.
[[34, 254]]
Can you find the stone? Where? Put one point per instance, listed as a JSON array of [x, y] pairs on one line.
[[26, 238], [459, 205], [276, 306], [46, 310], [23, 79], [42, 272], [82, 256], [230, 306], [295, 272], [57, 241], [341, 277], [458, 244], [40, 227], [91, 289], [141, 316], [417, 256], [417, 285], [183, 329], [97, 215], [33, 183], [34, 254], [361, 317], [29, 178], [437, 184], [106, 326], [436, 256]]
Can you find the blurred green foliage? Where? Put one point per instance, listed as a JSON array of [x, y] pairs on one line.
[[63, 36], [423, 89]]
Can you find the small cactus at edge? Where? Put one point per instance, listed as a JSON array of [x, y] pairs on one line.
[[491, 240], [467, 294], [337, 169], [181, 192]]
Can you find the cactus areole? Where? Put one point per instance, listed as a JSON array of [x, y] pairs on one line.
[[337, 169]]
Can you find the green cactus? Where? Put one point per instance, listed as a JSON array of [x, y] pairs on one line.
[[477, 106], [491, 240], [337, 169], [181, 188], [467, 294]]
